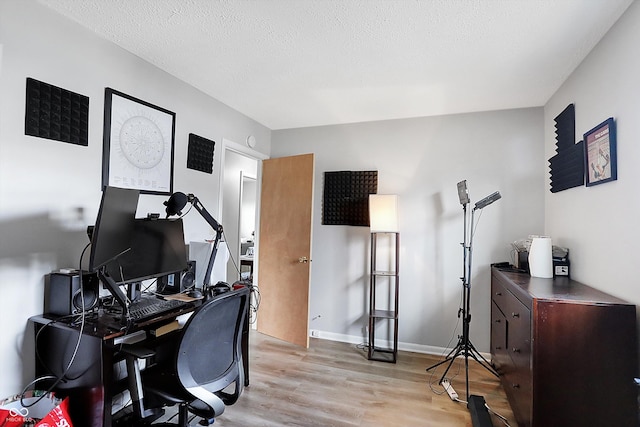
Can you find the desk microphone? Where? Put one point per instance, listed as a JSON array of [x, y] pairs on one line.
[[176, 202]]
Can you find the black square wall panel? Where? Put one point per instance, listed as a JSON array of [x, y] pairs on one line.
[[200, 153], [55, 113], [346, 197]]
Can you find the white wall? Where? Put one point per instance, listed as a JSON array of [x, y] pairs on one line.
[[50, 190], [600, 223], [422, 160]]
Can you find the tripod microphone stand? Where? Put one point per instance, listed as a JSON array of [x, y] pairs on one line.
[[465, 347]]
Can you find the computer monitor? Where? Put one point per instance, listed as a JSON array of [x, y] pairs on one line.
[[126, 250], [157, 249], [114, 226]]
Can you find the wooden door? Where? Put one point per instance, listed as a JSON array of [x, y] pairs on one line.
[[284, 259]]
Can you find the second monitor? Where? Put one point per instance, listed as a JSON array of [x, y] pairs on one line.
[[157, 249]]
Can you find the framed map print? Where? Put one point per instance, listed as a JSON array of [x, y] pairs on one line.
[[138, 144]]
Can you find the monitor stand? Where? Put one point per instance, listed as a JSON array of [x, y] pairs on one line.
[[115, 290], [134, 291]]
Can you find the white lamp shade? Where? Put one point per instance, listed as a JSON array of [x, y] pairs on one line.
[[383, 213]]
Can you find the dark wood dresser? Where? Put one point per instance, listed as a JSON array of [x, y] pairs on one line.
[[567, 353]]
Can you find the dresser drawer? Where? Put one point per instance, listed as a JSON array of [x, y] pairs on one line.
[[519, 389], [518, 318], [500, 294], [499, 349]]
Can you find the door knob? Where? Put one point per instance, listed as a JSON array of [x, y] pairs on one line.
[[303, 260]]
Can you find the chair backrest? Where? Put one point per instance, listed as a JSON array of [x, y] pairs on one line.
[[209, 357]]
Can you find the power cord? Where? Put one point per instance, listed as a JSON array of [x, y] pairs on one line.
[[254, 301], [74, 354], [501, 417], [431, 380]]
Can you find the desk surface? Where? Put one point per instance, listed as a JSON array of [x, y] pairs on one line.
[[105, 323]]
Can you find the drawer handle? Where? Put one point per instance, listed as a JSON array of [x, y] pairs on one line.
[[515, 385], [515, 314], [498, 348], [497, 320], [499, 294], [516, 350]]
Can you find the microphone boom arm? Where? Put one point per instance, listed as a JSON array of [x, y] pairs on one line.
[[216, 227]]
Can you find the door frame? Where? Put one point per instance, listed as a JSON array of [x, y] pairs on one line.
[[228, 145]]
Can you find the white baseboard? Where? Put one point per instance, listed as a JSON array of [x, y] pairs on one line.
[[415, 348]]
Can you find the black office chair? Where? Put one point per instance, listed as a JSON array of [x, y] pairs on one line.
[[206, 363]]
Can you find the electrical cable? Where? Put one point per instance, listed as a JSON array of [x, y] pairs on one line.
[[363, 346], [475, 227], [74, 354], [502, 418], [233, 260], [254, 303], [433, 371], [153, 282]]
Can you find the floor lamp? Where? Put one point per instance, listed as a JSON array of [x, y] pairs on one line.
[[383, 210], [464, 347]]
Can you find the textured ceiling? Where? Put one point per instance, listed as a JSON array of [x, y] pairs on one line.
[[299, 63]]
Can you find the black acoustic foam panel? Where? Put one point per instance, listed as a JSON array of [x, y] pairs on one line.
[[200, 153], [346, 197], [55, 113], [567, 166]]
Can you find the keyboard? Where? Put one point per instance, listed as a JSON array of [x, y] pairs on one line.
[[148, 307]]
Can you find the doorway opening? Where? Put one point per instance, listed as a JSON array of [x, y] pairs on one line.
[[240, 203]]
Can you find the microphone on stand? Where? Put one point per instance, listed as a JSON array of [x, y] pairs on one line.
[[176, 203]]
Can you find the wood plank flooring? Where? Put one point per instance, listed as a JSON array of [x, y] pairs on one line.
[[333, 384]]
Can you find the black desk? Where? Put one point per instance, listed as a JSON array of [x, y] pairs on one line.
[[92, 382]]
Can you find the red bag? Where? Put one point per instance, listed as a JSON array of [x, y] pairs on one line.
[[11, 418], [58, 417]]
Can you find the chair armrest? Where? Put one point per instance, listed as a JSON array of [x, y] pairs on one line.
[[139, 351]]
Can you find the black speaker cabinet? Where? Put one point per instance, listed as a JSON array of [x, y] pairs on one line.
[[178, 282], [62, 294]]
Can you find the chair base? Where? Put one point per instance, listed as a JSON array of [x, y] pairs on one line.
[[126, 418]]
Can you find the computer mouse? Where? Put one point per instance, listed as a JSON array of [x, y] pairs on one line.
[[195, 293]]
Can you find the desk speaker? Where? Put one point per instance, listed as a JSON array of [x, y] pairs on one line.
[[178, 282], [62, 294]]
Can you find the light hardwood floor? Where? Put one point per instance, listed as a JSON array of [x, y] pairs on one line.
[[333, 384]]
